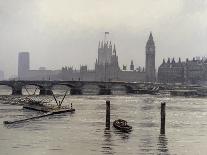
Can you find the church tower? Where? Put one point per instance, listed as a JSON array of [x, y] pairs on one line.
[[150, 60]]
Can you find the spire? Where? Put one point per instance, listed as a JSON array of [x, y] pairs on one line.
[[99, 44], [173, 60], [168, 61], [150, 41], [114, 50], [132, 65], [179, 60], [110, 45], [151, 37], [163, 61]]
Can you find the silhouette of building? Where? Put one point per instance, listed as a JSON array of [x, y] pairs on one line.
[[189, 71], [106, 67], [132, 66], [150, 60], [24, 72], [23, 64]]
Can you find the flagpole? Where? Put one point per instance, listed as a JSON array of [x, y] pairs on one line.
[[105, 36]]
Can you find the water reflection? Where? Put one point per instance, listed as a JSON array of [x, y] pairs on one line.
[[122, 135], [16, 125], [107, 143], [147, 125], [146, 145], [162, 144]]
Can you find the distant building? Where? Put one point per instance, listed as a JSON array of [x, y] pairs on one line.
[[171, 71], [132, 66], [23, 64], [150, 60], [189, 71], [106, 67], [24, 72]]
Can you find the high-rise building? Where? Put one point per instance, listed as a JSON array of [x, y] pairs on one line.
[[23, 64], [150, 60]]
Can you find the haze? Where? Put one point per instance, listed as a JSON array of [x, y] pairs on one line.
[[66, 32]]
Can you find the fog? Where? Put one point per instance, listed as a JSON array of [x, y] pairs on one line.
[[66, 32]]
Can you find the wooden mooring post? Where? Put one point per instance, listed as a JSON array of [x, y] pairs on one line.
[[162, 113], [107, 115]]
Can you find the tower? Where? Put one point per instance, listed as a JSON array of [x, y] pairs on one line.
[[106, 66], [132, 65], [104, 51], [150, 60], [23, 64]]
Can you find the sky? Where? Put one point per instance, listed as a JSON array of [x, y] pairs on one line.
[[66, 32]]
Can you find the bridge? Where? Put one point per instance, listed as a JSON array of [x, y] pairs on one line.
[[76, 87]]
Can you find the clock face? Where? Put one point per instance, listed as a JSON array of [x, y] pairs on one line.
[[151, 49]]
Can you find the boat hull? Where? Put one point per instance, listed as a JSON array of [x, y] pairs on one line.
[[122, 126]]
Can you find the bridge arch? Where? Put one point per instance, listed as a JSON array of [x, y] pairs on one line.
[[60, 89], [5, 89], [73, 88], [90, 89], [31, 89]]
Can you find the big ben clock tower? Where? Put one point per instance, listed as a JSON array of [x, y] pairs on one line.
[[150, 60]]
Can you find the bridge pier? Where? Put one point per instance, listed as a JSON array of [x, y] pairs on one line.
[[16, 91], [129, 91], [105, 91], [75, 91], [45, 91]]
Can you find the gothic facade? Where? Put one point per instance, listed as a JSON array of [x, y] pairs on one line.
[[190, 71], [150, 60], [107, 67]]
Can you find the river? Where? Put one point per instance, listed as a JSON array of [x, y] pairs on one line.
[[83, 132]]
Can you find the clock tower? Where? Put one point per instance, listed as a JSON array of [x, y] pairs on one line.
[[150, 60]]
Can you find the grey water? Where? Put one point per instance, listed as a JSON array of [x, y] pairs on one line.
[[83, 132]]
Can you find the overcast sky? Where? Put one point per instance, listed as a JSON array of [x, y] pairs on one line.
[[66, 32]]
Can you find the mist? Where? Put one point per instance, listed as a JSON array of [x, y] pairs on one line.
[[66, 32]]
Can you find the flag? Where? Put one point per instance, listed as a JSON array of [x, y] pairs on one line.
[[106, 32]]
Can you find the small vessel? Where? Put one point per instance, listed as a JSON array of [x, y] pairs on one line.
[[121, 125]]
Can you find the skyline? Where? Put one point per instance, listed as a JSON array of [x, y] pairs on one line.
[[59, 33]]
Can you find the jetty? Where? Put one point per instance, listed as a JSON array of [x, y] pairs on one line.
[[47, 109], [40, 116]]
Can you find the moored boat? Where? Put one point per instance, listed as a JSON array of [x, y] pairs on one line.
[[121, 125]]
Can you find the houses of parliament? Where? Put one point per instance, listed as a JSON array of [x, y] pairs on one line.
[[106, 68]]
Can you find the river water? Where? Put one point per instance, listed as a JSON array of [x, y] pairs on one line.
[[83, 132]]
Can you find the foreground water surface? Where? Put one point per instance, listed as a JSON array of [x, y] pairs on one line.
[[83, 132]]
